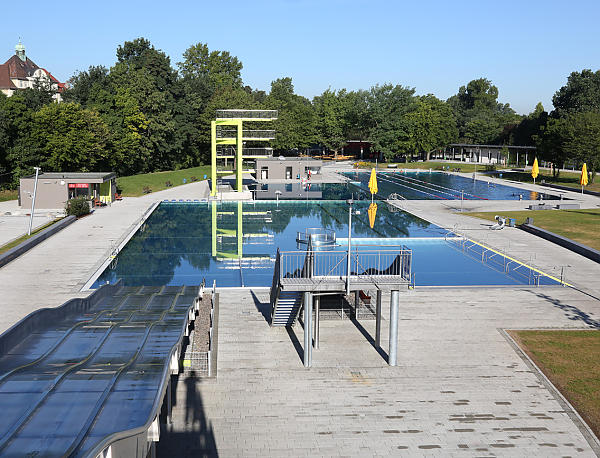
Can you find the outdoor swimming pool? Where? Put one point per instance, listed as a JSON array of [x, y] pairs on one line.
[[235, 243], [428, 185]]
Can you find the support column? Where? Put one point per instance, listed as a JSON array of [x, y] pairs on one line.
[[239, 145], [394, 328], [317, 300], [378, 319], [307, 329], [213, 155]]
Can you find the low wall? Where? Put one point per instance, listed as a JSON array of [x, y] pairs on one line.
[[569, 244], [44, 316], [28, 244]]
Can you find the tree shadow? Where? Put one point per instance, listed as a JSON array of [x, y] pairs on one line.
[[571, 312], [190, 434], [263, 307]]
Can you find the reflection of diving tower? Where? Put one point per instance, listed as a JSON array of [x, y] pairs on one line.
[[228, 236], [227, 143]]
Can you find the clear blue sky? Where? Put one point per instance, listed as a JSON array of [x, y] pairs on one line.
[[527, 48]]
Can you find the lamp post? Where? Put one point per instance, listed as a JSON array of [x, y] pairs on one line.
[[37, 172], [350, 202]]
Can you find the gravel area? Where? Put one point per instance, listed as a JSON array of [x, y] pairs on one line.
[[201, 333]]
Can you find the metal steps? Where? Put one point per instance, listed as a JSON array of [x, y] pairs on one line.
[[287, 307]]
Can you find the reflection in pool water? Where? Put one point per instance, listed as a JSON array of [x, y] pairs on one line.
[[235, 243]]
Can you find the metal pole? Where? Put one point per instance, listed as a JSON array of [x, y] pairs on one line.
[[378, 320], [393, 353], [349, 202], [317, 300], [461, 200], [37, 171], [307, 329]]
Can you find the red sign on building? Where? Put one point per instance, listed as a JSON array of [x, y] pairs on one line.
[[79, 185]]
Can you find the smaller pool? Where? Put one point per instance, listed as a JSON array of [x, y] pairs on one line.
[[426, 185]]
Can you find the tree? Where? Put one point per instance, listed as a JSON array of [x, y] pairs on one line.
[[147, 73], [551, 143], [219, 67], [583, 140], [295, 126], [580, 94], [70, 139], [329, 120], [432, 125], [385, 118], [84, 84]]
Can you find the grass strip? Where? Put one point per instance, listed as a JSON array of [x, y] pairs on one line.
[[570, 361], [8, 195], [14, 243], [579, 225], [133, 186]]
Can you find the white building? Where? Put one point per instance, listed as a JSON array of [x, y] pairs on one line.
[[19, 72]]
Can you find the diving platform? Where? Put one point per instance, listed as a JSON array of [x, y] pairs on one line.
[[300, 278]]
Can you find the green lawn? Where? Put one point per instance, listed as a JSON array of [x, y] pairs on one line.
[[570, 179], [570, 360], [8, 195], [134, 185], [579, 225]]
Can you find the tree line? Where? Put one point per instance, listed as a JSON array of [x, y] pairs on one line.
[[145, 115]]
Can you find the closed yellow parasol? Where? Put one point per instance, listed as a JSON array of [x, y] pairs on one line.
[[535, 170], [584, 177], [373, 183], [372, 211]]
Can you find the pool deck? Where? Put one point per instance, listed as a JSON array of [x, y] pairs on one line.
[[460, 388]]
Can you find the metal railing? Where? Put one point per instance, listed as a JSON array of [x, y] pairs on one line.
[[319, 236], [230, 152], [246, 134], [256, 115], [520, 271], [369, 263]]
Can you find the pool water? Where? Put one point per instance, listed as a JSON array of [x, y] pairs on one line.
[[427, 185], [235, 243]]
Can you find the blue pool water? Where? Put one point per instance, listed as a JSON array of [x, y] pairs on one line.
[[235, 243], [438, 185]]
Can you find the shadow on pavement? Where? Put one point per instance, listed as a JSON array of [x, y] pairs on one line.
[[190, 433]]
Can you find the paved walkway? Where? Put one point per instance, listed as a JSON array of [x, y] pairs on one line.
[[460, 388]]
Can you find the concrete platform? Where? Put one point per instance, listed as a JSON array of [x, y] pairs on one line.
[[460, 387]]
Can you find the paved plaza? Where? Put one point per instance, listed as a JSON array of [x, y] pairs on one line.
[[461, 387]]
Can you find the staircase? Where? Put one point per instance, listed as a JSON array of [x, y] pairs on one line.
[[286, 308]]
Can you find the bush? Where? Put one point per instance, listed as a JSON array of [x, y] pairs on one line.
[[490, 168], [78, 207]]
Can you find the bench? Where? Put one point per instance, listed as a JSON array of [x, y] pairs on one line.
[[363, 297], [168, 184], [439, 168], [147, 190]]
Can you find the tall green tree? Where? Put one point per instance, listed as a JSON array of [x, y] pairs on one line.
[[295, 126], [386, 120], [330, 120], [583, 139], [432, 125], [71, 139], [219, 67], [550, 142], [580, 94], [148, 74]]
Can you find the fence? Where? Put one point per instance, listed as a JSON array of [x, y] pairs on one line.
[[518, 270], [368, 262]]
